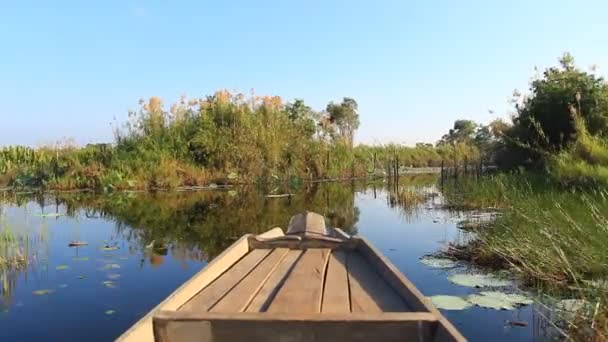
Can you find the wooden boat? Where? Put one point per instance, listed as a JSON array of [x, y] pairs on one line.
[[312, 284]]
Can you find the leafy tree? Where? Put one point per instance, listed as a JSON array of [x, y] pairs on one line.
[[462, 132], [345, 117], [544, 120]]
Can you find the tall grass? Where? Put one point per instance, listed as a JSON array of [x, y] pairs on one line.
[[222, 138], [552, 237]]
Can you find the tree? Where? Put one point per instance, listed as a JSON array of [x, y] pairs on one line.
[[345, 117], [462, 132], [544, 119]]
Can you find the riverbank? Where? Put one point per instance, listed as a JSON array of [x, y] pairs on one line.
[[553, 238]]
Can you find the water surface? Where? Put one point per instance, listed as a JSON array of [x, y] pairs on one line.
[[142, 246]]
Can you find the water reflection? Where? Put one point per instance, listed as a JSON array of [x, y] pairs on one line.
[[142, 246]]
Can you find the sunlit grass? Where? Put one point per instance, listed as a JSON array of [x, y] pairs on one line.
[[554, 238]]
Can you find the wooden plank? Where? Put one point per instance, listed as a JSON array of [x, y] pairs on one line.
[[406, 289], [369, 292], [307, 223], [142, 330], [272, 233], [303, 289], [336, 295], [254, 327], [210, 295], [239, 297], [266, 294], [304, 243]]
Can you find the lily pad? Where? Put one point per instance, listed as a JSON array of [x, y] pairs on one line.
[[81, 277], [109, 283], [49, 215], [499, 300], [43, 292], [450, 302], [438, 262], [81, 259], [478, 280], [110, 312], [113, 276], [62, 267], [111, 266]]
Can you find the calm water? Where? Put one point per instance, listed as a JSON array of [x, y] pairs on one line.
[[157, 241]]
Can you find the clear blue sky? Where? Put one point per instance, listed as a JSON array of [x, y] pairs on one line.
[[67, 68]]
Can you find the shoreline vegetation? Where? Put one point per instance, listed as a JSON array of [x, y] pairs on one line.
[[220, 139], [549, 186]]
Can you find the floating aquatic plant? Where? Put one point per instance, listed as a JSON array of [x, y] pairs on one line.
[[109, 283], [49, 215], [43, 292], [438, 262], [478, 280], [499, 300], [450, 302], [111, 266], [62, 267], [81, 259]]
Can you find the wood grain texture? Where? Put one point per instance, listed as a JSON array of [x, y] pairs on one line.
[[182, 326], [303, 289], [239, 297], [210, 295], [369, 292], [336, 295], [266, 294], [406, 289], [142, 330]]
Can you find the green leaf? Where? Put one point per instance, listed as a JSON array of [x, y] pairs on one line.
[[81, 259], [499, 300], [478, 280], [43, 292], [450, 302], [438, 262], [62, 267]]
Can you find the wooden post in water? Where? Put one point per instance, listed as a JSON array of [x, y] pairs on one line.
[[327, 165], [442, 175], [374, 162]]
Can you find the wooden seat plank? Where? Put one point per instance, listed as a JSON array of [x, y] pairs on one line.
[[269, 289], [210, 295], [239, 297], [303, 288], [336, 295], [369, 292]]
